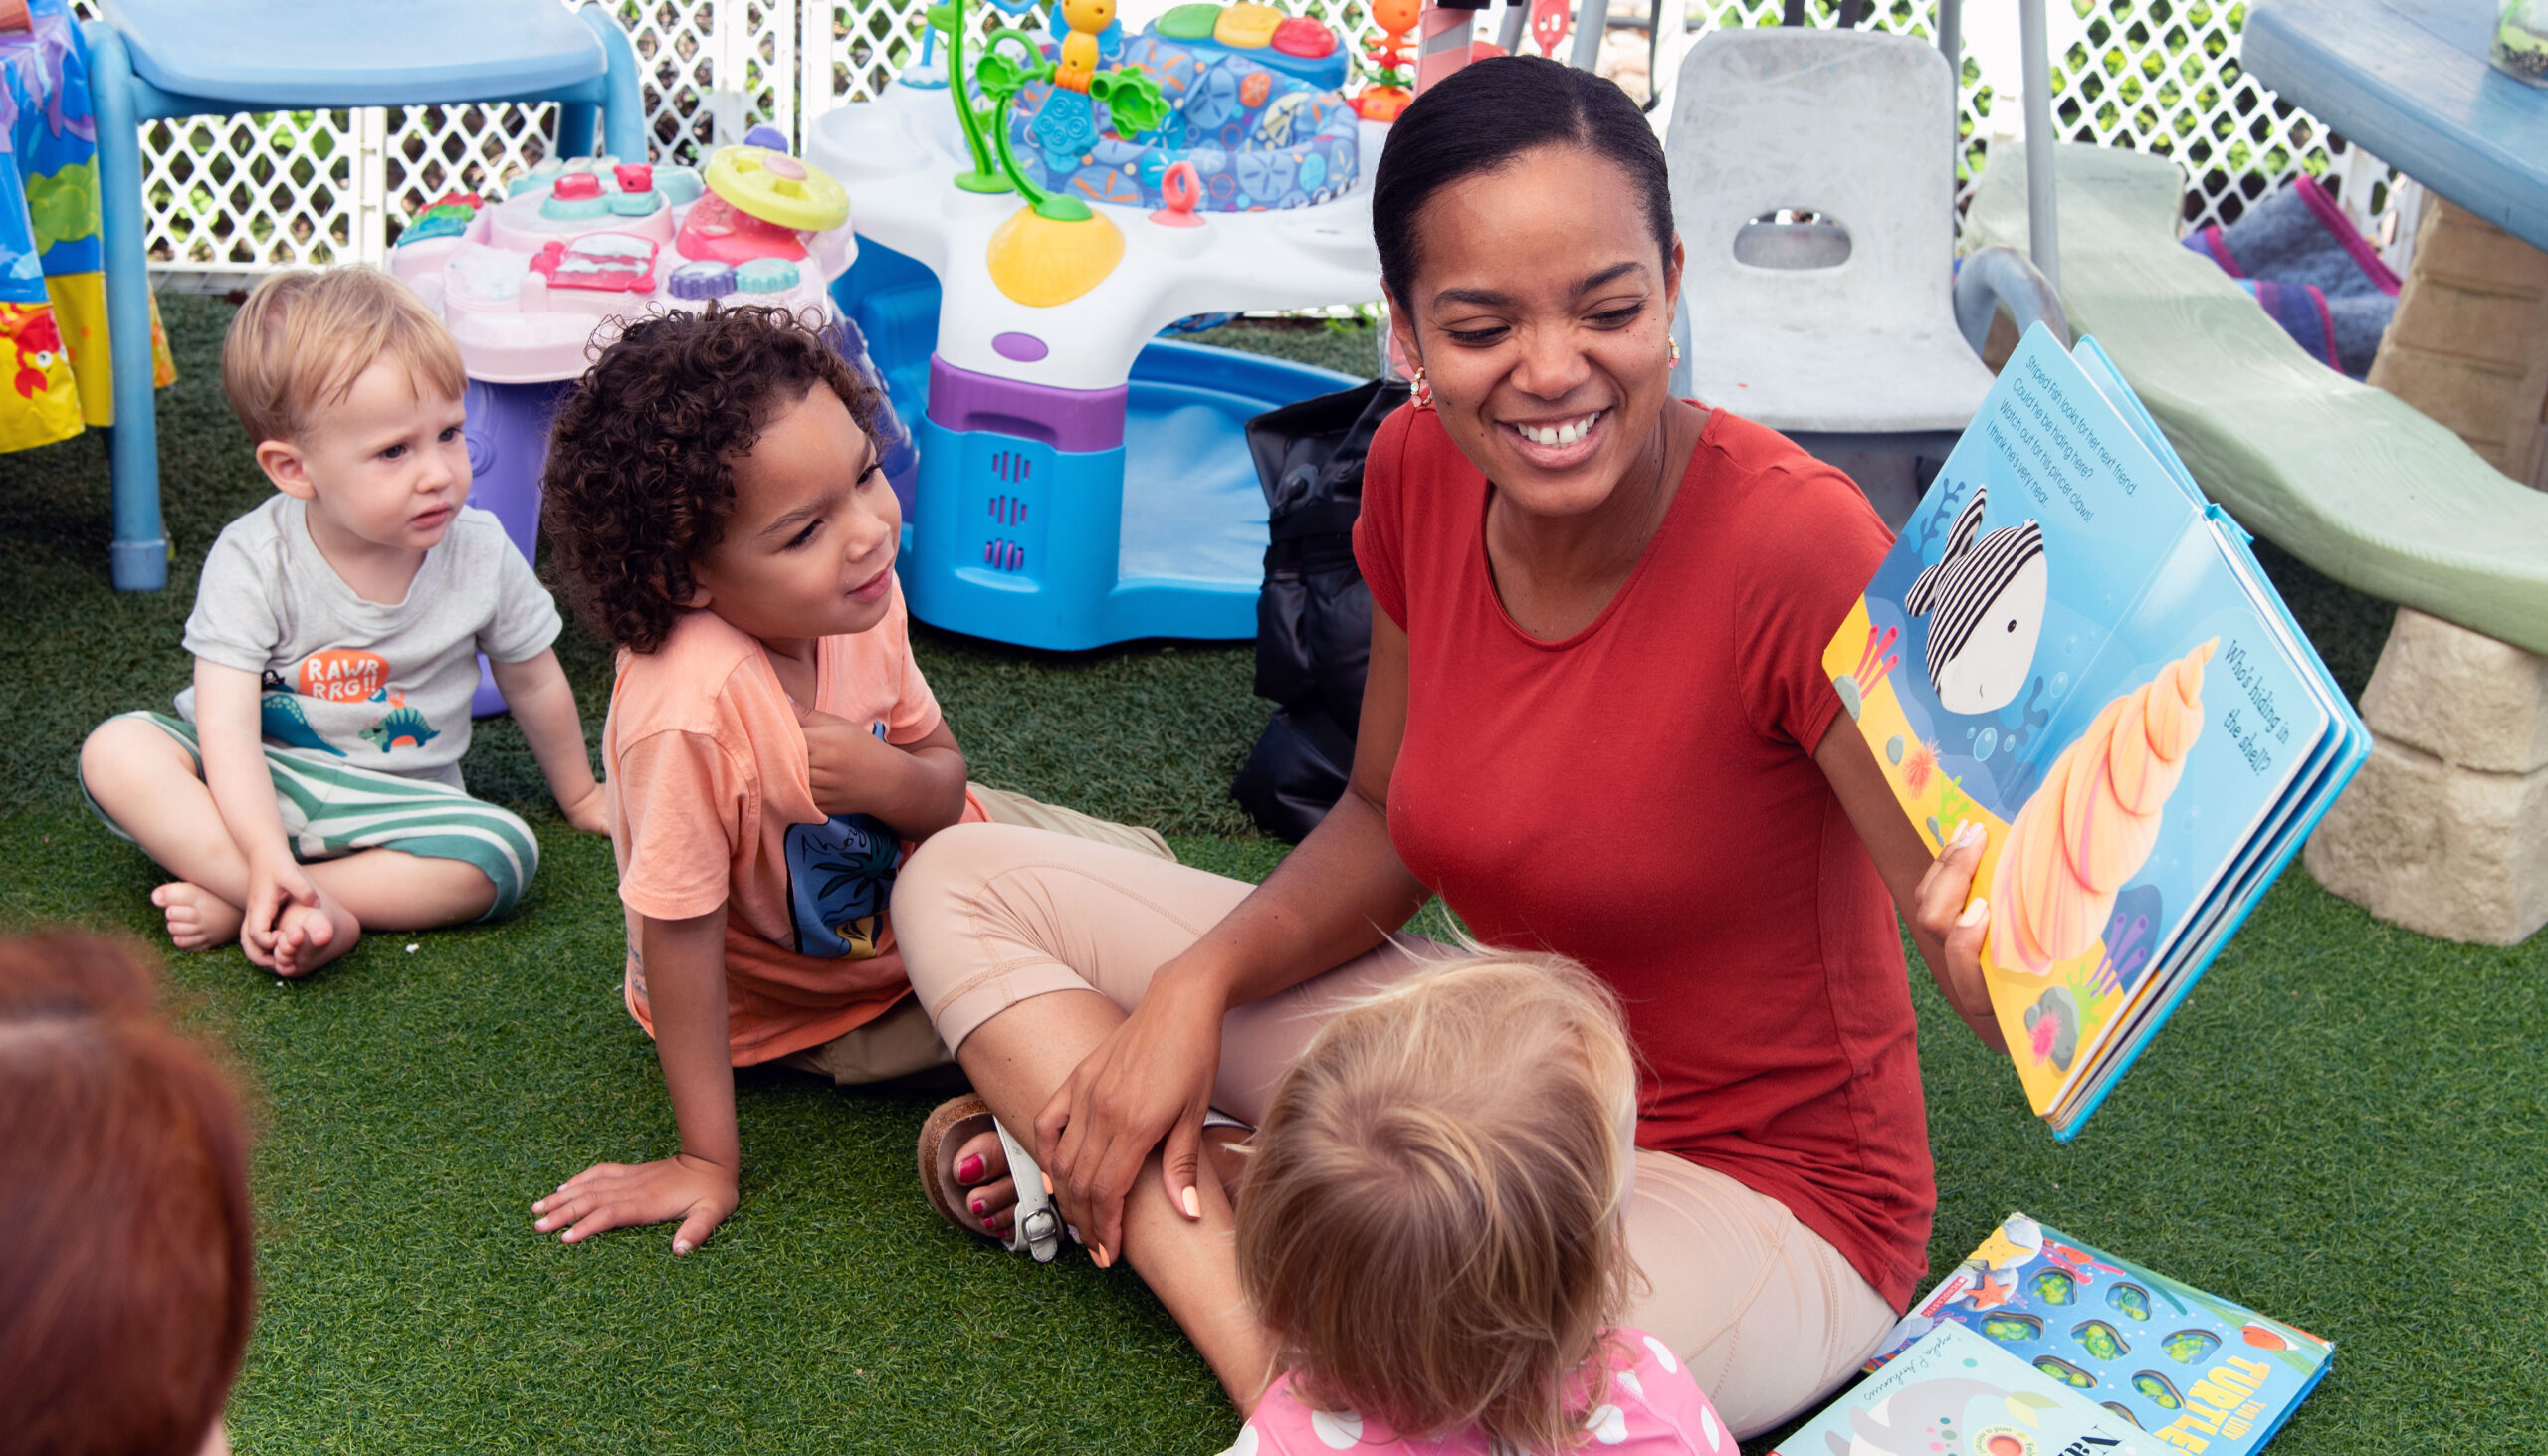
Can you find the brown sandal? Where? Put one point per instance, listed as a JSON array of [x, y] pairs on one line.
[[950, 1125]]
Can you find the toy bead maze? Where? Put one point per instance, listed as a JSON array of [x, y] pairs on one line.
[[1024, 235], [527, 282]]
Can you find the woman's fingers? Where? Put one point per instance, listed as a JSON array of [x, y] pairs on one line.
[[1180, 1163], [600, 1218], [1963, 966], [560, 1212], [1959, 920], [1949, 881], [1052, 1124]]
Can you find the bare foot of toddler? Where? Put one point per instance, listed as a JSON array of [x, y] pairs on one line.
[[199, 920], [308, 937]]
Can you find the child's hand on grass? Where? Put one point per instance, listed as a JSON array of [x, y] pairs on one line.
[[611, 1195], [586, 813]]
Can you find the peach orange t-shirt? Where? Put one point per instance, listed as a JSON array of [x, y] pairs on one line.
[[711, 802]]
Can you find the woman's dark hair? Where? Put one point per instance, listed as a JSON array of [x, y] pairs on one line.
[[641, 473], [128, 1277], [1484, 117]]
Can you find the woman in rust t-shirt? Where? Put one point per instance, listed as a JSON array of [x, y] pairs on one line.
[[1595, 723]]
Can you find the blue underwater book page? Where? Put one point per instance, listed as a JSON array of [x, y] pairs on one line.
[[2040, 532], [2092, 361], [2257, 726], [2324, 770], [2068, 647], [1955, 1392]]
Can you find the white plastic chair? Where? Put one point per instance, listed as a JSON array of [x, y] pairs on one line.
[[1844, 334]]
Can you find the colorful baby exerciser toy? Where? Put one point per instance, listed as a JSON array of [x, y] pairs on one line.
[[1029, 224], [525, 283]]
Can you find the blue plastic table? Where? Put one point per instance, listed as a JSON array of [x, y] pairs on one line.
[[158, 59], [2409, 80]]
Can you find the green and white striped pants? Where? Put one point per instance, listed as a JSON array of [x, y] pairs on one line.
[[331, 810]]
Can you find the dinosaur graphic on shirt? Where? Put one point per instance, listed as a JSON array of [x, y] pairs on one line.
[[280, 717], [400, 724]]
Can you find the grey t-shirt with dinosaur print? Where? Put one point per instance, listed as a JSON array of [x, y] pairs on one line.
[[380, 686]]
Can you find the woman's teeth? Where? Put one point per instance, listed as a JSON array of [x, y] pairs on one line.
[[1565, 434]]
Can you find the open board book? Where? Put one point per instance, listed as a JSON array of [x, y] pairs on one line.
[[2179, 1370], [1955, 1393], [2068, 646]]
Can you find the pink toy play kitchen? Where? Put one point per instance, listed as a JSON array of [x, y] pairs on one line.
[[525, 283]]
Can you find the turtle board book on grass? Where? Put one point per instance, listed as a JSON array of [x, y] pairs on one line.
[[1954, 1392], [2189, 1371]]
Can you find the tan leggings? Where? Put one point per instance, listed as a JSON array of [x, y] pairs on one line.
[[901, 1046], [1768, 1313]]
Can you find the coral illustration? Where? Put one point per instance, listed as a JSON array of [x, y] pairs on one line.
[[1854, 687], [2091, 825], [2052, 1027]]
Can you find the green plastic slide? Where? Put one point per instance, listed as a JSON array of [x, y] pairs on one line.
[[2350, 479]]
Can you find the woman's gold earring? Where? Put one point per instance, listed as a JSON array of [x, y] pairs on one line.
[[1420, 390], [1675, 360]]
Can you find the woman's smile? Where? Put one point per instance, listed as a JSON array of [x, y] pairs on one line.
[[1558, 444]]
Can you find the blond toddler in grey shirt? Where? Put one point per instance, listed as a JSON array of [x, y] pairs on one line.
[[308, 787]]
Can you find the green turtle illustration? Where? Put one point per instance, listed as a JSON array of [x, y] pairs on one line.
[[2101, 1339]]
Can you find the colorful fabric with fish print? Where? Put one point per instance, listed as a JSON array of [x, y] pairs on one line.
[[53, 322]]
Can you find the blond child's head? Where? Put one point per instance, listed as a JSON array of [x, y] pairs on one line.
[[351, 391], [1430, 1224]]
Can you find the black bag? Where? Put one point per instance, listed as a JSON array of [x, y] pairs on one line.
[[1314, 614]]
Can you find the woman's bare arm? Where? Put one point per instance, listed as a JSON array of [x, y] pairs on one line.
[[1931, 891], [1332, 899]]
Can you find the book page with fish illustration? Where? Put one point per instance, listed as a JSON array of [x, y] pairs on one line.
[[2316, 772], [2003, 585], [2033, 655], [2168, 773], [1956, 1393], [2193, 1370]]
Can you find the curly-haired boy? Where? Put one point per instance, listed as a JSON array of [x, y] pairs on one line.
[[715, 497]]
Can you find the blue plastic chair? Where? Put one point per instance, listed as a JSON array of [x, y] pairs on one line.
[[153, 59]]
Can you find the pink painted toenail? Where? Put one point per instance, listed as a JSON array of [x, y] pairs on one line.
[[969, 1169], [976, 1206]]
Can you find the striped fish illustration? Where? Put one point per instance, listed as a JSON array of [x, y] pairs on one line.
[[1985, 603]]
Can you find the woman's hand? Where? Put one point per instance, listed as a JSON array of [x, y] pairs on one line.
[[1930, 891], [1147, 1084], [1951, 918]]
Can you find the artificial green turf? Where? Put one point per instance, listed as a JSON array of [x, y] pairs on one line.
[[2341, 1126]]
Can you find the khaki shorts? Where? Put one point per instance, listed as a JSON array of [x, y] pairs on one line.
[[902, 1046]]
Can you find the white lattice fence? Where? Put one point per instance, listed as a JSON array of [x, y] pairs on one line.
[[239, 195], [2158, 75]]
